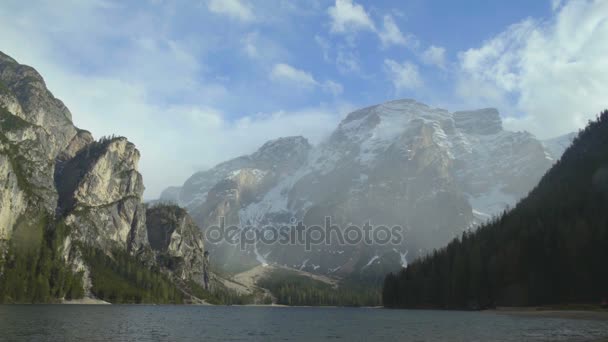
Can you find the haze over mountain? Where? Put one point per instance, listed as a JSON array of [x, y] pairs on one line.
[[434, 172]]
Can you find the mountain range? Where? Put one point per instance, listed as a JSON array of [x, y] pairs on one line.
[[435, 173]]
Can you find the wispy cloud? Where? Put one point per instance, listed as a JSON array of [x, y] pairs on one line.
[[391, 34], [348, 17], [404, 76], [237, 9], [434, 55], [553, 74], [285, 73]]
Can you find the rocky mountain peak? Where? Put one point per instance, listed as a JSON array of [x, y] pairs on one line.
[[39, 105], [281, 148], [282, 154]]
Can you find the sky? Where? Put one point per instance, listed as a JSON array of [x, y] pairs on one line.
[[194, 83]]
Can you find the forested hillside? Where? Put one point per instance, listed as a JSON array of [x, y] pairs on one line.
[[551, 248]]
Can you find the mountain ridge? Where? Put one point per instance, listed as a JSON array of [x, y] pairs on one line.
[[402, 155]]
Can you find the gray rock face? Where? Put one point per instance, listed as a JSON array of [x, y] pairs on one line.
[[100, 195], [276, 157], [49, 165], [35, 103], [177, 241], [35, 127], [403, 163]]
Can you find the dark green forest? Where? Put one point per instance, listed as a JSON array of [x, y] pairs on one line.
[[125, 279], [552, 248], [33, 270], [294, 289]]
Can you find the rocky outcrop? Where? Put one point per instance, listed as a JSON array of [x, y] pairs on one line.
[[34, 128], [35, 103], [51, 169], [100, 196], [177, 241]]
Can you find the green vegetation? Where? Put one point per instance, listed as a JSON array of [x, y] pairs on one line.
[[33, 270], [10, 122], [124, 279], [291, 288], [551, 249], [4, 89]]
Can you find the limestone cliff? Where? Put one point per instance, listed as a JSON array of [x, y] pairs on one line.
[[53, 174], [177, 241]]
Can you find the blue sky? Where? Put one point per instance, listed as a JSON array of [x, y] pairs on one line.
[[194, 83]]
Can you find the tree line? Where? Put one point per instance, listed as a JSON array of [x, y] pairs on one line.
[[299, 290], [123, 278]]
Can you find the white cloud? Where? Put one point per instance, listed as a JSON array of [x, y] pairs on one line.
[[552, 74], [348, 17], [404, 76], [286, 73], [391, 34], [236, 9], [434, 55]]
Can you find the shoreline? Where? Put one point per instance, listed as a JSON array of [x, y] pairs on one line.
[[85, 301], [531, 312], [594, 315]]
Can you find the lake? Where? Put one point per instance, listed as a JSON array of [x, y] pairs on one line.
[[204, 323]]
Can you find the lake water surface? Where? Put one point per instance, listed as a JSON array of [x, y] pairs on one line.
[[208, 323]]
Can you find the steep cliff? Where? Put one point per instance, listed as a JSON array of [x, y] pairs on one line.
[[177, 241], [62, 194], [100, 196]]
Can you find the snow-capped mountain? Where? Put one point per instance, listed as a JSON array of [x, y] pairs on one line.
[[403, 163]]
